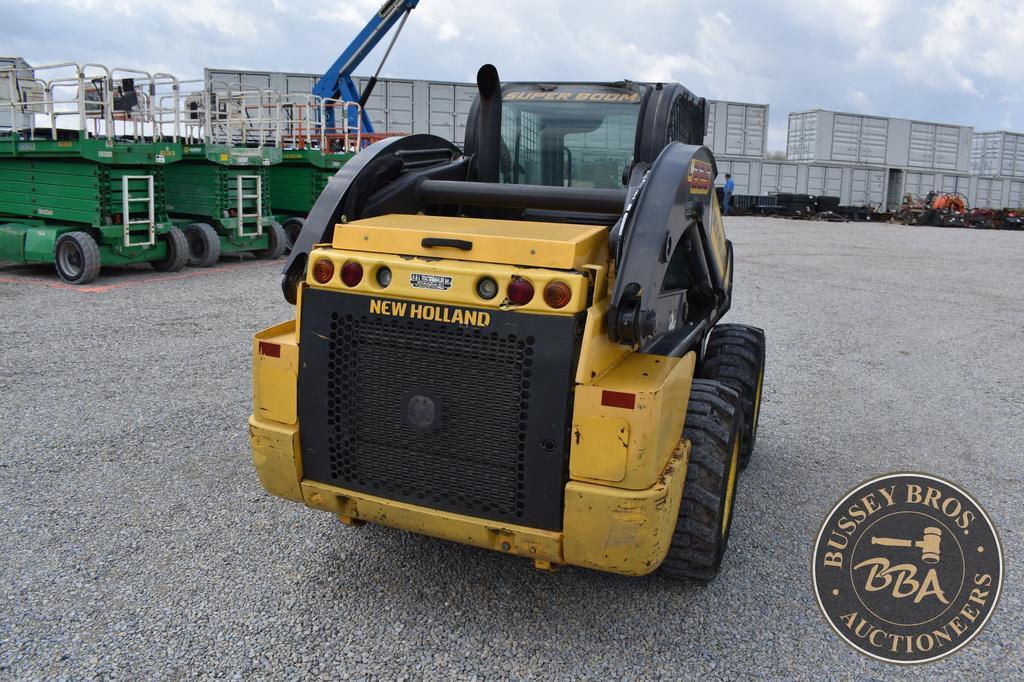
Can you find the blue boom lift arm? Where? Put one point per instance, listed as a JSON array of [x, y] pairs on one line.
[[337, 83]]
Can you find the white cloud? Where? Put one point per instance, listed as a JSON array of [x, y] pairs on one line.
[[949, 60], [857, 100]]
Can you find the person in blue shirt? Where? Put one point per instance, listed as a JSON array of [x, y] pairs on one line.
[[727, 193]]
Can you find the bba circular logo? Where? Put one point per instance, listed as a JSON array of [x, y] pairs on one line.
[[907, 568]]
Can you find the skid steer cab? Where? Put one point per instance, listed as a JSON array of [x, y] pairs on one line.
[[517, 346]]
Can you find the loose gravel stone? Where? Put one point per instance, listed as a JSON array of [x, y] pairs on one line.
[[138, 542]]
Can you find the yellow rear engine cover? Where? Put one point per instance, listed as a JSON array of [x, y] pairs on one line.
[[513, 242]]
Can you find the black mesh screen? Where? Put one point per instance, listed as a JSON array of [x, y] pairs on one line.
[[478, 386], [687, 121], [468, 419]]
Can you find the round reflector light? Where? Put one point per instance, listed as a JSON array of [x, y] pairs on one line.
[[351, 273], [487, 288], [520, 291], [557, 294], [323, 270], [384, 277]]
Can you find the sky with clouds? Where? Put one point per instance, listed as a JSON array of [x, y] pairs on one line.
[[951, 61]]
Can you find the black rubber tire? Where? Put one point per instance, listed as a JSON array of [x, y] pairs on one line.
[[278, 242], [828, 203], [177, 252], [203, 245], [76, 256], [292, 228], [735, 356], [713, 418]]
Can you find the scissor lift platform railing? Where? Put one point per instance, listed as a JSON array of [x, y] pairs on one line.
[[89, 164], [218, 194]]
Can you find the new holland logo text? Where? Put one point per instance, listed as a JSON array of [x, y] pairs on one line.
[[430, 313], [907, 568]]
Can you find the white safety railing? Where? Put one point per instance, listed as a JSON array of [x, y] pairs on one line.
[[306, 116], [220, 113], [93, 100]]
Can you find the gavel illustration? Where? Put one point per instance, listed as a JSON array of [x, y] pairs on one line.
[[929, 544]]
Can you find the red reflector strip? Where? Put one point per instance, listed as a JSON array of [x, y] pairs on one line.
[[627, 401], [271, 350]]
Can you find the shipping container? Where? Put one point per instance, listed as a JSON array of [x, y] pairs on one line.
[[746, 174], [998, 153], [824, 180], [996, 192], [449, 109], [826, 136], [854, 185], [737, 129], [16, 86], [986, 192], [399, 106], [1015, 194], [442, 107], [867, 187], [779, 176], [832, 136], [918, 184], [396, 105]]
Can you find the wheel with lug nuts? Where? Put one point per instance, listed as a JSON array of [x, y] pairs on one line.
[[76, 257]]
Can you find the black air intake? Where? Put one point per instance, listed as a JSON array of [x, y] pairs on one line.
[[489, 130]]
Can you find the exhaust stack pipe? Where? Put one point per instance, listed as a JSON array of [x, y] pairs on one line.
[[489, 131]]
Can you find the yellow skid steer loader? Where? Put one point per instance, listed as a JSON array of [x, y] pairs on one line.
[[516, 345]]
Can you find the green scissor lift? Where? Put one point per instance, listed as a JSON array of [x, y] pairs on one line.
[[218, 194], [296, 183], [312, 155], [82, 162]]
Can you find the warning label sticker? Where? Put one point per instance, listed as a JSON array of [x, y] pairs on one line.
[[435, 282]]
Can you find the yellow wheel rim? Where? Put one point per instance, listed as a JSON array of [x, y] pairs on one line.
[[730, 486], [757, 401]]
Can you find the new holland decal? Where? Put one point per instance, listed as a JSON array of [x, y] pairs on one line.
[[430, 313], [699, 177]]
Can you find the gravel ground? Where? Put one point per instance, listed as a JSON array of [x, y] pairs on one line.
[[138, 542]]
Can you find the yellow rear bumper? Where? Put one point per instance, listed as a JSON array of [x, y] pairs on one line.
[[604, 528]]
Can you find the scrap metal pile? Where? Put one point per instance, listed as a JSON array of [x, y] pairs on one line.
[[951, 210], [936, 209]]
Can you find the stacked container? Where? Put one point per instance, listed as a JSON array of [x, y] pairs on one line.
[[829, 136], [886, 158], [997, 167]]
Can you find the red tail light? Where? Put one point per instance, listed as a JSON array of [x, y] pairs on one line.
[[351, 273], [520, 291]]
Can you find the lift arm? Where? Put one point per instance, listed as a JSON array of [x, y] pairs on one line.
[[336, 83]]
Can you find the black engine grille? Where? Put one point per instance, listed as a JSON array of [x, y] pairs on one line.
[[471, 420]]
